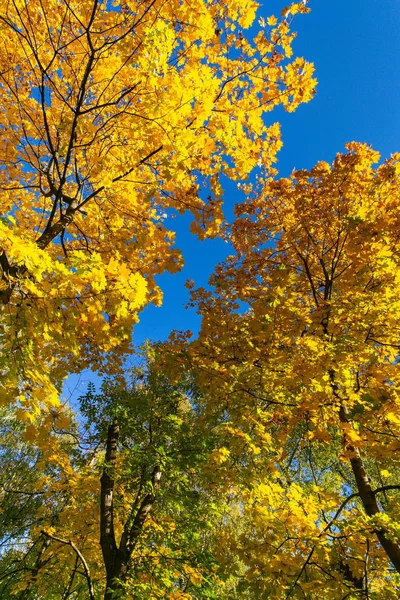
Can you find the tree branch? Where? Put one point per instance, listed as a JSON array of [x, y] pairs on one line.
[[144, 509], [81, 557], [301, 572]]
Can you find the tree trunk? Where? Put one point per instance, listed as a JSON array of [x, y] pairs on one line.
[[116, 575], [107, 534], [367, 495], [117, 558]]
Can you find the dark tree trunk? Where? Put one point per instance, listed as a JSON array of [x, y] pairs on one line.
[[117, 558], [116, 575], [367, 495], [107, 534]]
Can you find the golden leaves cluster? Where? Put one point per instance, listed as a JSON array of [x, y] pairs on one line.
[[114, 115], [299, 346]]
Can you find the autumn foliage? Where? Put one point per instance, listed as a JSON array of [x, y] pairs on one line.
[[113, 115], [258, 460], [299, 347]]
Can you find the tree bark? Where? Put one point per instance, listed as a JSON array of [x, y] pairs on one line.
[[107, 534], [117, 558], [367, 495]]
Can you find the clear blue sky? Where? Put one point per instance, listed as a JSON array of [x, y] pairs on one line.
[[355, 45]]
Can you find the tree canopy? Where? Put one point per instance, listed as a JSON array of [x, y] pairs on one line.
[[299, 347], [259, 459], [114, 114]]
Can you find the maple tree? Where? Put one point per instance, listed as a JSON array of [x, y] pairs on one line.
[[114, 113], [299, 348], [260, 459], [289, 399]]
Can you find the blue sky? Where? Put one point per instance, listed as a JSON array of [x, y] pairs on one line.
[[355, 46]]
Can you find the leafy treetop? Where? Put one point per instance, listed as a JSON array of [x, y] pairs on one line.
[[113, 114]]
